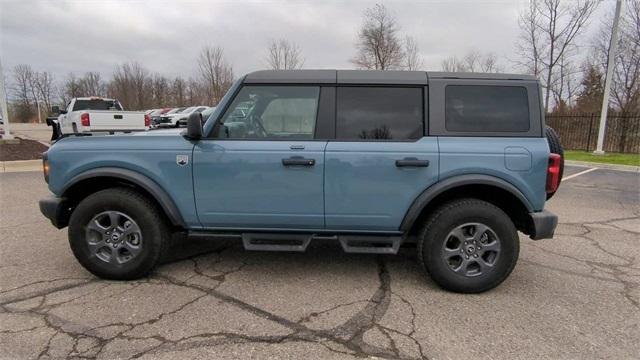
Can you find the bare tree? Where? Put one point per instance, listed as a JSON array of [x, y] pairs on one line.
[[473, 61], [70, 88], [45, 87], [549, 29], [625, 89], [216, 73], [379, 46], [22, 91], [91, 84], [412, 60], [284, 55], [129, 85], [178, 91]]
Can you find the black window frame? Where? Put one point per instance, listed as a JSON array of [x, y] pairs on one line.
[[214, 132], [437, 116], [424, 123]]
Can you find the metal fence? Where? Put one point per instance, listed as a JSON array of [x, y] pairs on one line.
[[580, 131]]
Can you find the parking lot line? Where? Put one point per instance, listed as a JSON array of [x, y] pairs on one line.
[[578, 174]]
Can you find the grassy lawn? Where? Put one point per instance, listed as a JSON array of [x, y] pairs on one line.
[[608, 158]]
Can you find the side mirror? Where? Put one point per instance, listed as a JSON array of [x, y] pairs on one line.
[[194, 126]]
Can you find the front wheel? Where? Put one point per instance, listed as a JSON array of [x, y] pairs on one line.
[[117, 234], [468, 246]]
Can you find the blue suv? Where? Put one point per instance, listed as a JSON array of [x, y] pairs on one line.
[[456, 164]]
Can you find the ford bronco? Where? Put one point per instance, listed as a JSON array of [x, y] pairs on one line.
[[454, 163]]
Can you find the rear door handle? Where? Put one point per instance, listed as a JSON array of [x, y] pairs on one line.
[[298, 161], [412, 162]]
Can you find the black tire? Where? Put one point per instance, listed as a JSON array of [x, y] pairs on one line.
[[155, 234], [437, 232], [555, 147]]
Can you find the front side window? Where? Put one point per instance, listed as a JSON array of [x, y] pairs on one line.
[[484, 108], [379, 113], [271, 112]]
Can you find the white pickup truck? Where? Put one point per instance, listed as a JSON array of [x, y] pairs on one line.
[[96, 114]]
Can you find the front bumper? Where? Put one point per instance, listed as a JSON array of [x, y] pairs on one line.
[[56, 210], [543, 224]]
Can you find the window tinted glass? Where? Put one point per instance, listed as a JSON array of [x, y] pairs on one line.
[[486, 108], [271, 112], [96, 104], [379, 113]]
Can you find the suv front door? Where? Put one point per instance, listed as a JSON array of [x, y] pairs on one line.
[[262, 167], [380, 160]]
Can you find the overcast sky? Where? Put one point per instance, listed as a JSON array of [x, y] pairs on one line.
[[165, 36]]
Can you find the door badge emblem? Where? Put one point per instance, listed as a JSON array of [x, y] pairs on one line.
[[182, 160]]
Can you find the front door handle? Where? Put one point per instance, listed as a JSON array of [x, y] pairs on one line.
[[412, 162], [298, 161]]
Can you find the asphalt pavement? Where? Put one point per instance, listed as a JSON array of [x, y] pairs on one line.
[[573, 297]]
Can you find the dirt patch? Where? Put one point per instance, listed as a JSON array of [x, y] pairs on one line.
[[25, 150]]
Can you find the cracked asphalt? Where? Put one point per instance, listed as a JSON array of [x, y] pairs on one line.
[[576, 296]]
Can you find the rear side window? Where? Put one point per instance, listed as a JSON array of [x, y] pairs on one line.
[[379, 113], [482, 108], [96, 104]]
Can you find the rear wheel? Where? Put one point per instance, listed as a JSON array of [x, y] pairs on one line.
[[468, 246], [117, 234], [555, 147]]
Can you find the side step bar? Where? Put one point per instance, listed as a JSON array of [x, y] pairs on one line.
[[276, 242], [298, 242], [370, 244]]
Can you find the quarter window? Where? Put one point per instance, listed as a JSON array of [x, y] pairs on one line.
[[481, 108], [271, 112], [379, 113]]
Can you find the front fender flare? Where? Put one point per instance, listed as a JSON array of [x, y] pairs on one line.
[[432, 192], [159, 194]]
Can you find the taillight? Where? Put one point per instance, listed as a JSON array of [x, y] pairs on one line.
[[85, 120], [553, 173], [147, 120]]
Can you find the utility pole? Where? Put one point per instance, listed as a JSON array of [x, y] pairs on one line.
[[3, 105], [611, 63], [38, 106]]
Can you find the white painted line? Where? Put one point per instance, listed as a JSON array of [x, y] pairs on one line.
[[578, 174]]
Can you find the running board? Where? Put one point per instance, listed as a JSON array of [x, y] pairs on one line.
[[370, 244], [298, 242], [276, 242]]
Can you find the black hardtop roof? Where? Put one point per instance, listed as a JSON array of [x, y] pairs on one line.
[[367, 77]]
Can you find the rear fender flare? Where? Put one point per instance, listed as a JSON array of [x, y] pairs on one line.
[[423, 200]]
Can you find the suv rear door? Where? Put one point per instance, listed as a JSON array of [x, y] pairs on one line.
[[263, 167], [380, 160]]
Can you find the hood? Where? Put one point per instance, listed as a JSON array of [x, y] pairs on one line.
[[157, 132]]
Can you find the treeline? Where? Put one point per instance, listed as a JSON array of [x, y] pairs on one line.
[[551, 45], [132, 83]]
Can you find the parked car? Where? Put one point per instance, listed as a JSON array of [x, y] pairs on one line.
[[166, 118], [96, 114], [369, 159], [180, 117], [155, 115]]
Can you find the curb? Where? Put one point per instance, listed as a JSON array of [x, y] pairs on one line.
[[628, 168], [20, 166]]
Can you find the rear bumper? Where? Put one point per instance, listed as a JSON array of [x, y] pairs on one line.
[[56, 210], [543, 224]]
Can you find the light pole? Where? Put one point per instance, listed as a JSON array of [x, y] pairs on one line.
[[3, 105], [611, 63]]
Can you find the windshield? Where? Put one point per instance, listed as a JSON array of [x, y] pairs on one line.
[[96, 104]]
